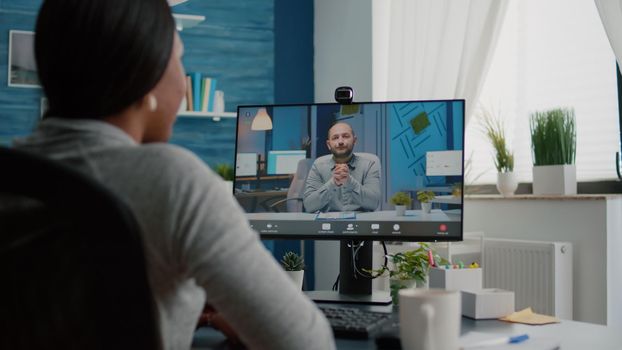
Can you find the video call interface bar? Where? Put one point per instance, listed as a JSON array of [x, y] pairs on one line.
[[365, 229]]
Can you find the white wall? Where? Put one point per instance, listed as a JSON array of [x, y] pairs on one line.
[[343, 48]]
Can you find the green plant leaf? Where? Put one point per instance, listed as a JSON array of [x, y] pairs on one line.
[[401, 198], [292, 262], [553, 137], [495, 132]]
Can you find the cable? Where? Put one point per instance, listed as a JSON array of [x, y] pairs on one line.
[[366, 274], [355, 268]]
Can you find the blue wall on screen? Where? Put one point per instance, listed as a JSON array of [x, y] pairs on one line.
[[458, 120], [290, 126], [408, 149]]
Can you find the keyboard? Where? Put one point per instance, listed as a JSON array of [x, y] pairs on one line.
[[355, 323]]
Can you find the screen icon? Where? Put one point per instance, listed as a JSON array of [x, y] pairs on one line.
[[443, 228], [350, 227], [375, 226], [326, 227], [396, 227]]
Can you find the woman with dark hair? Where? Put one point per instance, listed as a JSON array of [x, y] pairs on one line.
[[112, 73]]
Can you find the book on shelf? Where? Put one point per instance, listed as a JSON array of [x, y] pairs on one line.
[[210, 90], [189, 102], [196, 90], [200, 92], [204, 91]]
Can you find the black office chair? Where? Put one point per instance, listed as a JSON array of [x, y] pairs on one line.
[[72, 266]]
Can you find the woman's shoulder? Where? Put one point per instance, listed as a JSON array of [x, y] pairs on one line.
[[161, 162], [167, 152]]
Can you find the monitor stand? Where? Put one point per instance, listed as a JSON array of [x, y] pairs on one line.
[[353, 288]]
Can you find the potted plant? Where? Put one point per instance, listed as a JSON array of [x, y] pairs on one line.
[[226, 172], [553, 143], [425, 197], [401, 200], [409, 269], [294, 266], [503, 157]]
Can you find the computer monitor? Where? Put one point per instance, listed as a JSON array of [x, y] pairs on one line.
[[284, 162], [246, 164], [325, 190]]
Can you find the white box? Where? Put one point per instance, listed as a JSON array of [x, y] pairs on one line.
[[487, 303], [456, 279]]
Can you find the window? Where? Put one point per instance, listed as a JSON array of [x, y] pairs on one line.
[[550, 54]]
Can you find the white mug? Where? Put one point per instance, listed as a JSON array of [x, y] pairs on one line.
[[429, 319]]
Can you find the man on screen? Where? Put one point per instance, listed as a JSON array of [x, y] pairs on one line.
[[343, 180]]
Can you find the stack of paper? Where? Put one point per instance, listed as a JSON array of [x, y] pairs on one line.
[[527, 316]]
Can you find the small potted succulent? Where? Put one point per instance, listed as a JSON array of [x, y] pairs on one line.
[[426, 197], [294, 266], [401, 200]]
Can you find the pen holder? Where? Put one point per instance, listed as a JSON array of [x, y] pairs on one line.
[[456, 279]]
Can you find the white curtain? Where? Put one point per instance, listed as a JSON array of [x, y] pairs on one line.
[[610, 12], [437, 49]]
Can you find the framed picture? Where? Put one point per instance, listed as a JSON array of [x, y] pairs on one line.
[[22, 66]]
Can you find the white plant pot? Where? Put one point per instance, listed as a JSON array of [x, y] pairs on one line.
[[555, 179], [506, 184], [229, 186], [297, 277], [400, 210], [426, 207]]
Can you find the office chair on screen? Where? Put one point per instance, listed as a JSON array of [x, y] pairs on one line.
[[71, 260]]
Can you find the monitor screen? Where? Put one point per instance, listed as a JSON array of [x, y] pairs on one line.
[[331, 171]]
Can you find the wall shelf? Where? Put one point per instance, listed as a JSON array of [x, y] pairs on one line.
[[216, 116], [187, 21]]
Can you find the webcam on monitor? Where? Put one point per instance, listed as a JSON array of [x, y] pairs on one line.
[[344, 94]]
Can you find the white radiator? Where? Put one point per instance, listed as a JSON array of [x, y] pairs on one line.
[[539, 273]]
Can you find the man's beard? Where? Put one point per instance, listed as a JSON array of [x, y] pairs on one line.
[[345, 153]]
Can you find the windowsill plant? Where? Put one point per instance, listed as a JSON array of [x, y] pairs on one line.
[[503, 157], [553, 142]]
